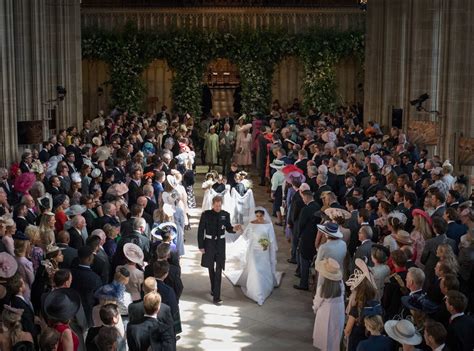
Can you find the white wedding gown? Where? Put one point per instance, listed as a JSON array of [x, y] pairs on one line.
[[250, 266]]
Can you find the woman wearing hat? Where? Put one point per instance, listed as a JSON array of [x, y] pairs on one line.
[[60, 307], [328, 305], [361, 302], [60, 204], [44, 276], [243, 147], [134, 255], [277, 182], [36, 253], [12, 336], [404, 332]]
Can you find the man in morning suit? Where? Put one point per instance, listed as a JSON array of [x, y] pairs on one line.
[[211, 240]]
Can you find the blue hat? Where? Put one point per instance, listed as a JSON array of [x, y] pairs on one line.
[[419, 302], [112, 291], [20, 236], [331, 229]]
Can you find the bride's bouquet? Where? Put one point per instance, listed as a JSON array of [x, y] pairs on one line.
[[264, 243]]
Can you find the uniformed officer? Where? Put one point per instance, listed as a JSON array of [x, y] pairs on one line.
[[211, 240]]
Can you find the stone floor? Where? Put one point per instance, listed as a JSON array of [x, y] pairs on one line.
[[284, 322]]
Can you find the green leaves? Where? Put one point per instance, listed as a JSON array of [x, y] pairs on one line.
[[256, 52]]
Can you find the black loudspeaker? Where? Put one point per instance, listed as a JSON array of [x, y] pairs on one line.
[[397, 117], [30, 132]]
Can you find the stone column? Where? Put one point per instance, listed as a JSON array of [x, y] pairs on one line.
[[40, 45]]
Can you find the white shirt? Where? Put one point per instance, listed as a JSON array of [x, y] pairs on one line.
[[455, 316], [439, 348]]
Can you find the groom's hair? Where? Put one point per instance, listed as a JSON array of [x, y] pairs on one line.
[[216, 199]]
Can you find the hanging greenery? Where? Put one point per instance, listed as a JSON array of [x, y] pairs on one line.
[[256, 52]]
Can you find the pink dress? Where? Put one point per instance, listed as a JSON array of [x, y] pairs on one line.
[[243, 149]]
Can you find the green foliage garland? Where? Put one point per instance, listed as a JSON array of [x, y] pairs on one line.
[[256, 52]]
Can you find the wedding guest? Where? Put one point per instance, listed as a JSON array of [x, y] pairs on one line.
[[460, 335], [328, 305], [403, 332], [376, 341], [12, 337]]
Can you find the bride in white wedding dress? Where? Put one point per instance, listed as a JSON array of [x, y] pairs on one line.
[[252, 258]]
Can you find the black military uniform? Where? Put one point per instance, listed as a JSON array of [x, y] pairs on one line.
[[211, 238]]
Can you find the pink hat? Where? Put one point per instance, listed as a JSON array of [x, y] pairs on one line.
[[425, 215], [8, 265], [100, 233]]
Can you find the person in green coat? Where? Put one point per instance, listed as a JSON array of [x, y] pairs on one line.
[[211, 147]]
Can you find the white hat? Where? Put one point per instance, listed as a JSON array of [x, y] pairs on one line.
[[172, 181], [330, 269], [277, 164], [76, 177], [75, 210], [96, 173], [133, 253], [97, 141], [403, 331], [361, 272]]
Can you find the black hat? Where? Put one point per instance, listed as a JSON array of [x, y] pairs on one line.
[[419, 302], [44, 202], [58, 200], [62, 304], [84, 252]]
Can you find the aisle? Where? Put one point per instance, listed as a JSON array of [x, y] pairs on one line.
[[284, 322]]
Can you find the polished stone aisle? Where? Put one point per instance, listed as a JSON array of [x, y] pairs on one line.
[[284, 322]]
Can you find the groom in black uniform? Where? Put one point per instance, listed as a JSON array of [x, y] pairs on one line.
[[211, 241]]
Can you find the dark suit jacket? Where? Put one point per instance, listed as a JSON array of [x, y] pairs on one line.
[[69, 253], [31, 217], [296, 206], [439, 212], [86, 282], [308, 229], [134, 192], [173, 279], [354, 227], [429, 258], [150, 207], [169, 298], [101, 266], [126, 227], [460, 334], [153, 332], [76, 240], [44, 156], [392, 294], [101, 221], [136, 313], [455, 231]]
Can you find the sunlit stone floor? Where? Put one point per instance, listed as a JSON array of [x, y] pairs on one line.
[[284, 322]]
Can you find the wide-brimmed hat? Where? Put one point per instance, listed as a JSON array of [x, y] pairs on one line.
[[419, 302], [62, 304], [361, 272], [20, 236], [75, 210], [330, 269], [403, 237], [403, 331], [52, 248], [421, 213], [117, 189], [337, 212], [103, 153], [112, 291], [277, 164], [331, 229], [99, 233], [290, 177], [398, 215], [59, 200], [172, 180], [164, 227], [288, 169], [133, 253], [8, 265], [97, 141]]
